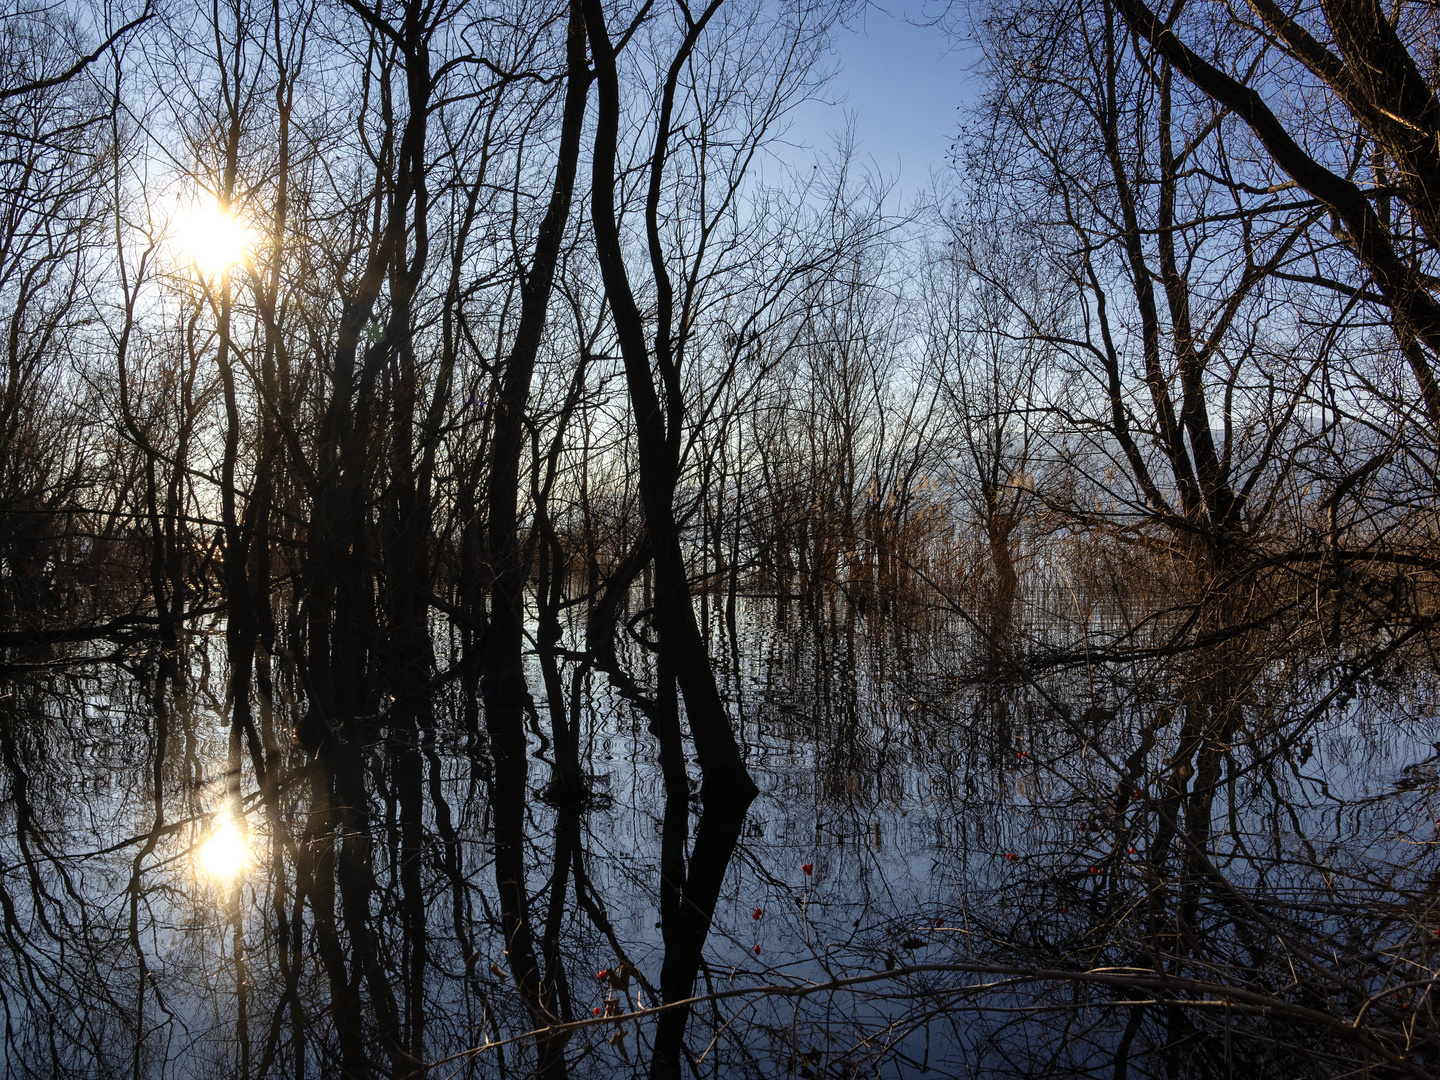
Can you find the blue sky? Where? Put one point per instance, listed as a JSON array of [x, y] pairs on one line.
[[902, 84]]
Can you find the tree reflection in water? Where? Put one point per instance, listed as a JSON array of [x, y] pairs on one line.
[[937, 875]]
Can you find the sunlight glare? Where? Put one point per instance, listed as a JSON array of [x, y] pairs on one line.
[[213, 239], [223, 854]]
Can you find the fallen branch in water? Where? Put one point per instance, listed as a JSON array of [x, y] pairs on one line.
[[1164, 987]]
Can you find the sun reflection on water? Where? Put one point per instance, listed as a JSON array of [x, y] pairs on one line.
[[222, 855]]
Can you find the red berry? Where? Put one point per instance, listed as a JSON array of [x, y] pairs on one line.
[[602, 975], [757, 915], [596, 1010], [757, 950], [939, 923], [1065, 909], [807, 867], [1132, 851]]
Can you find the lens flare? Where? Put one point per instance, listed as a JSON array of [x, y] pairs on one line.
[[223, 854], [213, 239]]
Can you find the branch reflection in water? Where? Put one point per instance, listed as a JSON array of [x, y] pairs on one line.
[[937, 873]]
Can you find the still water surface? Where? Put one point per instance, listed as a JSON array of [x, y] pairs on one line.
[[928, 865]]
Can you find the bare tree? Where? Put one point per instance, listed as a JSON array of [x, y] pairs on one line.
[[991, 370], [1364, 64]]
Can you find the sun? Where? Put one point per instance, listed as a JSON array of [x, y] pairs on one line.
[[213, 239], [223, 854]]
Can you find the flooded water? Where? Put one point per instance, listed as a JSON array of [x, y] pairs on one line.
[[940, 876]]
